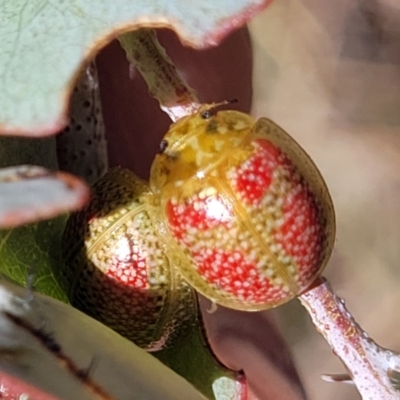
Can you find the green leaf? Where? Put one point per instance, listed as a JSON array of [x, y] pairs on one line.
[[15, 151], [42, 338], [44, 43], [29, 193], [31, 252], [193, 359]]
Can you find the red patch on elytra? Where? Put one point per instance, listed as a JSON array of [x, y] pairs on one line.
[[301, 231], [269, 148], [124, 297], [231, 272], [255, 175], [129, 265], [199, 214]]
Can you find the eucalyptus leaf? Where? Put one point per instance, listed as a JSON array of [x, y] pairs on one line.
[[29, 255], [82, 145], [43, 44], [86, 360], [29, 193]]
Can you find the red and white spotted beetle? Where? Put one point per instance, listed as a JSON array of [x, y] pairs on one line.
[[246, 214]]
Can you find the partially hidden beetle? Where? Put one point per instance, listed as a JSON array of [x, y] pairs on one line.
[[117, 270]]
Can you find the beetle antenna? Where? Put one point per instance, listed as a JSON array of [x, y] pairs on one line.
[[211, 109]]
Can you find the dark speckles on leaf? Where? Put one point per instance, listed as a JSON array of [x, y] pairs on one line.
[[85, 132]]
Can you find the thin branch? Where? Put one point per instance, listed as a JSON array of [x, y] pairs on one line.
[[370, 366], [144, 51]]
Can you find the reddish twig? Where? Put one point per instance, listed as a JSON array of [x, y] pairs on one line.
[[371, 367]]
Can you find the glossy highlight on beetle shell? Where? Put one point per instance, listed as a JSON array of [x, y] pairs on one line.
[[244, 210], [117, 271]]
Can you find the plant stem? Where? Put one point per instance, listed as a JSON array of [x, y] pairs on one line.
[[143, 50], [177, 99], [369, 365]]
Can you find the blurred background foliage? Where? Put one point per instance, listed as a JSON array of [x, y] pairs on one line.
[[329, 73]]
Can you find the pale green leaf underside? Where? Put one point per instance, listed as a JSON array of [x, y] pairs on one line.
[[29, 329], [43, 43], [29, 193]]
